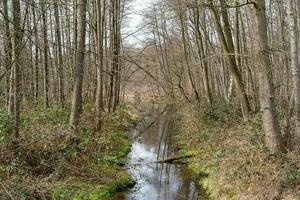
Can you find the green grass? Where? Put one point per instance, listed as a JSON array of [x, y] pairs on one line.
[[46, 166]]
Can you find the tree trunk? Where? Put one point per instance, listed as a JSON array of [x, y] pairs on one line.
[[100, 34], [36, 48], [79, 65], [227, 42], [17, 48], [45, 54], [294, 45], [59, 54], [7, 50], [268, 108]]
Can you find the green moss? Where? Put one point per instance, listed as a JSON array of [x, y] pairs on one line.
[[109, 164], [92, 191]]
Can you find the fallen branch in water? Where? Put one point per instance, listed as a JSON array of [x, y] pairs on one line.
[[175, 159]]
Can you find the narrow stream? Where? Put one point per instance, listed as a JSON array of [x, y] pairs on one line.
[[152, 142]]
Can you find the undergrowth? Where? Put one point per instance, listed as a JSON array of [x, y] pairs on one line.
[[44, 162], [233, 156]]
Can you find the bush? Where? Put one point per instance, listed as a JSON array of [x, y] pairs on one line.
[[218, 112], [122, 117], [6, 123], [54, 115]]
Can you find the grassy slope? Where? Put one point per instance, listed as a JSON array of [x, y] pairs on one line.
[[232, 157], [46, 166]]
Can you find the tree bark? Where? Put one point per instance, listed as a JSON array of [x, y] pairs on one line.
[[7, 49], [59, 54], [79, 65], [266, 90], [100, 33], [227, 42], [45, 53], [294, 45], [17, 48]]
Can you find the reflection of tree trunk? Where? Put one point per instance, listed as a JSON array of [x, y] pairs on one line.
[[162, 138]]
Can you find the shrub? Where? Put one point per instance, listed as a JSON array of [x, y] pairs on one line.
[[6, 123], [217, 112]]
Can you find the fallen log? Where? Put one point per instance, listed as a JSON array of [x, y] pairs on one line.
[[175, 159]]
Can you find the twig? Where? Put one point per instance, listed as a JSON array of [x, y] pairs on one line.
[[6, 191]]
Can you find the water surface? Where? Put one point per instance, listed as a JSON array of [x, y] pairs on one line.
[[152, 142]]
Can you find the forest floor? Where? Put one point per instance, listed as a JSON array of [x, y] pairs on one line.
[[231, 158], [44, 163]]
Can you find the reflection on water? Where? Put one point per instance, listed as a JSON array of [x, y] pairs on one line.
[[157, 181]]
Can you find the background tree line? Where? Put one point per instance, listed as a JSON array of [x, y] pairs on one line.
[[56, 51], [244, 52]]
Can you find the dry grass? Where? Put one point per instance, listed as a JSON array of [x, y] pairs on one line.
[[233, 155]]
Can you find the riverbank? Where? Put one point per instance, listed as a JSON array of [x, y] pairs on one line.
[[230, 156], [47, 164]]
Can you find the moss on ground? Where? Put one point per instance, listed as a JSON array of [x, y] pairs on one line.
[[233, 157]]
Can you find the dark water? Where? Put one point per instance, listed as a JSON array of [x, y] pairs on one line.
[[153, 142]]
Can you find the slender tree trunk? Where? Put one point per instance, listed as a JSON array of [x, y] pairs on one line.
[[116, 17], [227, 42], [45, 53], [79, 65], [36, 48], [7, 50], [270, 121], [294, 45], [59, 54], [202, 56], [186, 53], [100, 34], [17, 48]]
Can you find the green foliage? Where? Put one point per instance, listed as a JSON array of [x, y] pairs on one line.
[[6, 123], [293, 173], [218, 112], [49, 164], [92, 191], [117, 156], [122, 117], [56, 114], [256, 124]]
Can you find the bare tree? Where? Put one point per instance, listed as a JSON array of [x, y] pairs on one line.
[[17, 48], [79, 64], [294, 51], [266, 88]]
